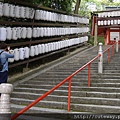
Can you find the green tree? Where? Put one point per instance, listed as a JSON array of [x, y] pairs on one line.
[[64, 5], [101, 4]]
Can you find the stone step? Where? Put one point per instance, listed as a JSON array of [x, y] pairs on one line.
[[105, 85], [76, 77], [74, 107], [95, 108], [61, 92], [48, 104], [74, 68], [41, 116], [36, 113], [102, 97], [42, 91], [76, 64], [69, 72], [16, 108], [52, 84], [74, 99], [111, 71], [103, 80], [80, 62], [74, 80], [79, 84], [84, 74]]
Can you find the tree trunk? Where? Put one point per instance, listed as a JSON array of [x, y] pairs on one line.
[[77, 6]]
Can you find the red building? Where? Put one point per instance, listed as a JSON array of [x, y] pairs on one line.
[[107, 25]]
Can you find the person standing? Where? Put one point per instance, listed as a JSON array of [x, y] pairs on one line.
[[5, 54]]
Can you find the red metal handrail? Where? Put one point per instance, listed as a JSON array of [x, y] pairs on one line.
[[108, 50], [69, 79]]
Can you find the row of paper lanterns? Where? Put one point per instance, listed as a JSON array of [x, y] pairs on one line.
[[49, 16], [109, 22], [26, 52], [109, 14], [15, 33], [10, 10]]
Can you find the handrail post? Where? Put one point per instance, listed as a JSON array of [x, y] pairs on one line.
[[100, 62], [89, 75], [108, 55], [69, 93], [112, 50], [5, 90], [117, 46]]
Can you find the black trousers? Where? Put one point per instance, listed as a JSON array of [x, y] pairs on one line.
[[3, 77]]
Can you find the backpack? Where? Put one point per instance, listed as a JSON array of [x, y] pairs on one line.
[[1, 65]]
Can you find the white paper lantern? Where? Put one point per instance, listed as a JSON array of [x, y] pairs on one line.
[[50, 16], [19, 31], [23, 32], [47, 15], [14, 33], [37, 15], [49, 49], [101, 22], [17, 11], [115, 22], [12, 10], [21, 53], [112, 14], [6, 9], [27, 51], [109, 14], [41, 32], [39, 48], [32, 12], [27, 15], [42, 14], [38, 32], [116, 13], [3, 34], [43, 48], [105, 22], [112, 22], [16, 54], [9, 33], [34, 32], [108, 22], [1, 9], [29, 32], [32, 51], [22, 12], [118, 21], [36, 50], [46, 48]]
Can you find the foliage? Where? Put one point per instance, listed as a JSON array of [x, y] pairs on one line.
[[64, 5], [100, 39], [99, 3]]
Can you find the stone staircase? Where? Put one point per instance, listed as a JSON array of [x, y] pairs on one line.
[[102, 97]]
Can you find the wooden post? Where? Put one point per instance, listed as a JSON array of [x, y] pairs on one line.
[[95, 35]]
